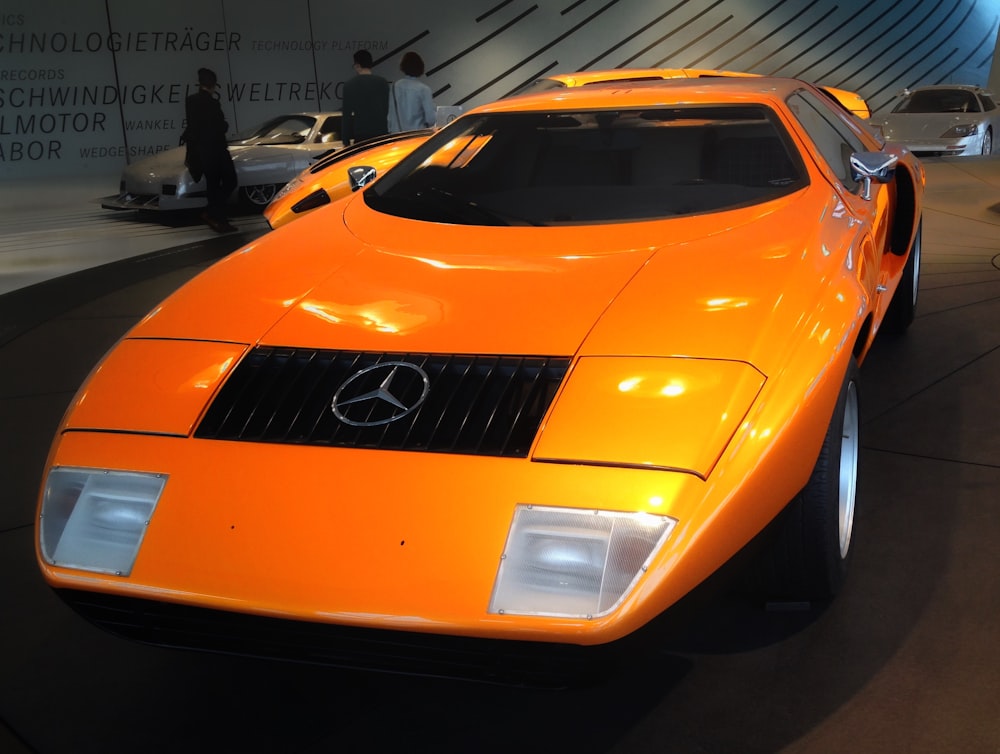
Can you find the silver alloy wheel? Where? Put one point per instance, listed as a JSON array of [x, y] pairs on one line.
[[260, 195], [849, 450], [915, 254], [988, 142]]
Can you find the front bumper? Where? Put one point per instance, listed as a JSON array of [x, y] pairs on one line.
[[972, 145], [521, 663], [152, 202]]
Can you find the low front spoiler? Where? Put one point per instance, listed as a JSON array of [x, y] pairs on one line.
[[151, 202], [492, 661]]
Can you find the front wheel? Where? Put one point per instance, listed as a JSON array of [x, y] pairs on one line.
[[988, 141], [808, 560]]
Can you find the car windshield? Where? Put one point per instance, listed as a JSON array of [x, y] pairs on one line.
[[559, 168], [939, 101], [284, 129]]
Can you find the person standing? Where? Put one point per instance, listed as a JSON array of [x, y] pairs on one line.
[[207, 152], [365, 102], [411, 102]]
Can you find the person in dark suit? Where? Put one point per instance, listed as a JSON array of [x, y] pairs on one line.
[[365, 104], [207, 152]]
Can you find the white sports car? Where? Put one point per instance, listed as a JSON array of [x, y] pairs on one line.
[[266, 157], [942, 120]]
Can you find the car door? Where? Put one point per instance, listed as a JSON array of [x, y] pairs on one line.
[[835, 141]]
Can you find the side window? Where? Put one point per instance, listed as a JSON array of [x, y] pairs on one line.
[[834, 140], [988, 102], [330, 130]]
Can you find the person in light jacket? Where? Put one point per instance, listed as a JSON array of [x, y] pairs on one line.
[[411, 102]]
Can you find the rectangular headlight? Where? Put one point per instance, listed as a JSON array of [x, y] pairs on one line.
[[95, 519], [574, 563]]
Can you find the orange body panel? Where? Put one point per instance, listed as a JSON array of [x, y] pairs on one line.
[[331, 177], [707, 353]]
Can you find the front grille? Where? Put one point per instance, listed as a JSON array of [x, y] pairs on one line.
[[165, 624], [476, 405]]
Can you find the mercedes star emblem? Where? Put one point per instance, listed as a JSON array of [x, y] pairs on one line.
[[383, 404]]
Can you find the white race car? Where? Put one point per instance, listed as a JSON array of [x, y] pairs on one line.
[[943, 120], [266, 157]]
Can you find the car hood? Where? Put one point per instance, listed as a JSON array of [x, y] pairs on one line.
[[924, 125], [345, 277], [256, 154], [169, 162]]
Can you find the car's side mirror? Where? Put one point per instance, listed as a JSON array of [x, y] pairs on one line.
[[872, 166], [360, 176]]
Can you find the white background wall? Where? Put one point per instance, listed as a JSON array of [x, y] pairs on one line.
[[86, 85]]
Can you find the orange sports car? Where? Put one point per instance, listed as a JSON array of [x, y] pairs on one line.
[[530, 388], [330, 178]]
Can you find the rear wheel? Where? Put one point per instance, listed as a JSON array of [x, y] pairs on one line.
[[809, 556], [903, 306], [259, 196]]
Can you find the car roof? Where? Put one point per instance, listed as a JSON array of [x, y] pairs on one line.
[[665, 92], [581, 78]]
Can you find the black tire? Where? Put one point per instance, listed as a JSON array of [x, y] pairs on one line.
[[903, 306], [988, 142], [808, 557], [258, 197]]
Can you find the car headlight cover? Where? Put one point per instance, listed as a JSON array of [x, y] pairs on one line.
[[959, 131], [666, 413], [574, 563], [95, 519]]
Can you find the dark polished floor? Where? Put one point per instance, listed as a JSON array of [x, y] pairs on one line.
[[907, 659]]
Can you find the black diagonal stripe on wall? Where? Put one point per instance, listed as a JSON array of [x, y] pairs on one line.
[[849, 39], [695, 42], [573, 29], [921, 43], [571, 7], [757, 43], [551, 67], [548, 68], [898, 34], [399, 49], [874, 32], [633, 35], [658, 42], [708, 54], [804, 35], [480, 42], [985, 45], [814, 43], [546, 46], [491, 11], [847, 29], [902, 39], [735, 37]]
